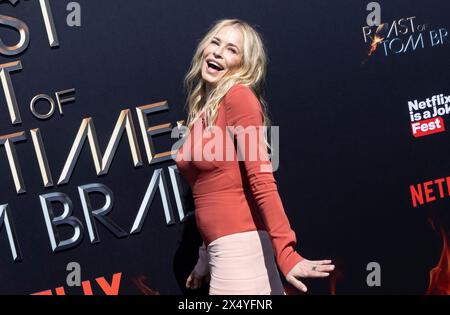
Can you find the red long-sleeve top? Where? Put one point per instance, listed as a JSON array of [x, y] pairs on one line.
[[232, 195]]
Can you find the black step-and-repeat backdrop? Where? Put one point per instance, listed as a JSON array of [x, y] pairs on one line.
[[91, 202]]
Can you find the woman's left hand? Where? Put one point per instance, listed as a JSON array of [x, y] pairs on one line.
[[308, 269]]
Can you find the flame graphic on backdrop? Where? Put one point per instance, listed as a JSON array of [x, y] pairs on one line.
[[139, 281], [336, 275], [440, 275], [376, 39]]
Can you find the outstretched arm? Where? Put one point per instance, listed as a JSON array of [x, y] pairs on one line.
[[245, 117]]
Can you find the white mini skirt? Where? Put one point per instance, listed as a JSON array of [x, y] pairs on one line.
[[243, 264]]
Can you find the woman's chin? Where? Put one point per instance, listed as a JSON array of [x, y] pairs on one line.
[[210, 81]]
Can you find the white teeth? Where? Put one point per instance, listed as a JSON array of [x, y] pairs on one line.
[[216, 64]]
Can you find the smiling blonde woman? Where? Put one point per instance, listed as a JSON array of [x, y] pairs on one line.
[[238, 210]]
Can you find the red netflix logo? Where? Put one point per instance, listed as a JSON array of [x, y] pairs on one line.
[[427, 127], [429, 191]]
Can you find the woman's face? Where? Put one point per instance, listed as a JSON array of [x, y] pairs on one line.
[[222, 54]]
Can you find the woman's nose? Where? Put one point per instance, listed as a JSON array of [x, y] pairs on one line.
[[218, 52]]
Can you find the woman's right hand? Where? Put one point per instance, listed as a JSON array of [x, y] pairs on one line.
[[196, 280], [200, 273]]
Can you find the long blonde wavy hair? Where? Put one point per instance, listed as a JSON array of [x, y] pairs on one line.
[[252, 73]]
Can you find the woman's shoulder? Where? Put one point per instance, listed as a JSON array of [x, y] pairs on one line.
[[241, 101], [240, 93], [240, 88]]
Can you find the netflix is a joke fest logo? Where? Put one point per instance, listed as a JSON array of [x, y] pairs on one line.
[[427, 115]]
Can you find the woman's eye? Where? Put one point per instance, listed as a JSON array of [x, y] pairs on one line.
[[232, 50]]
